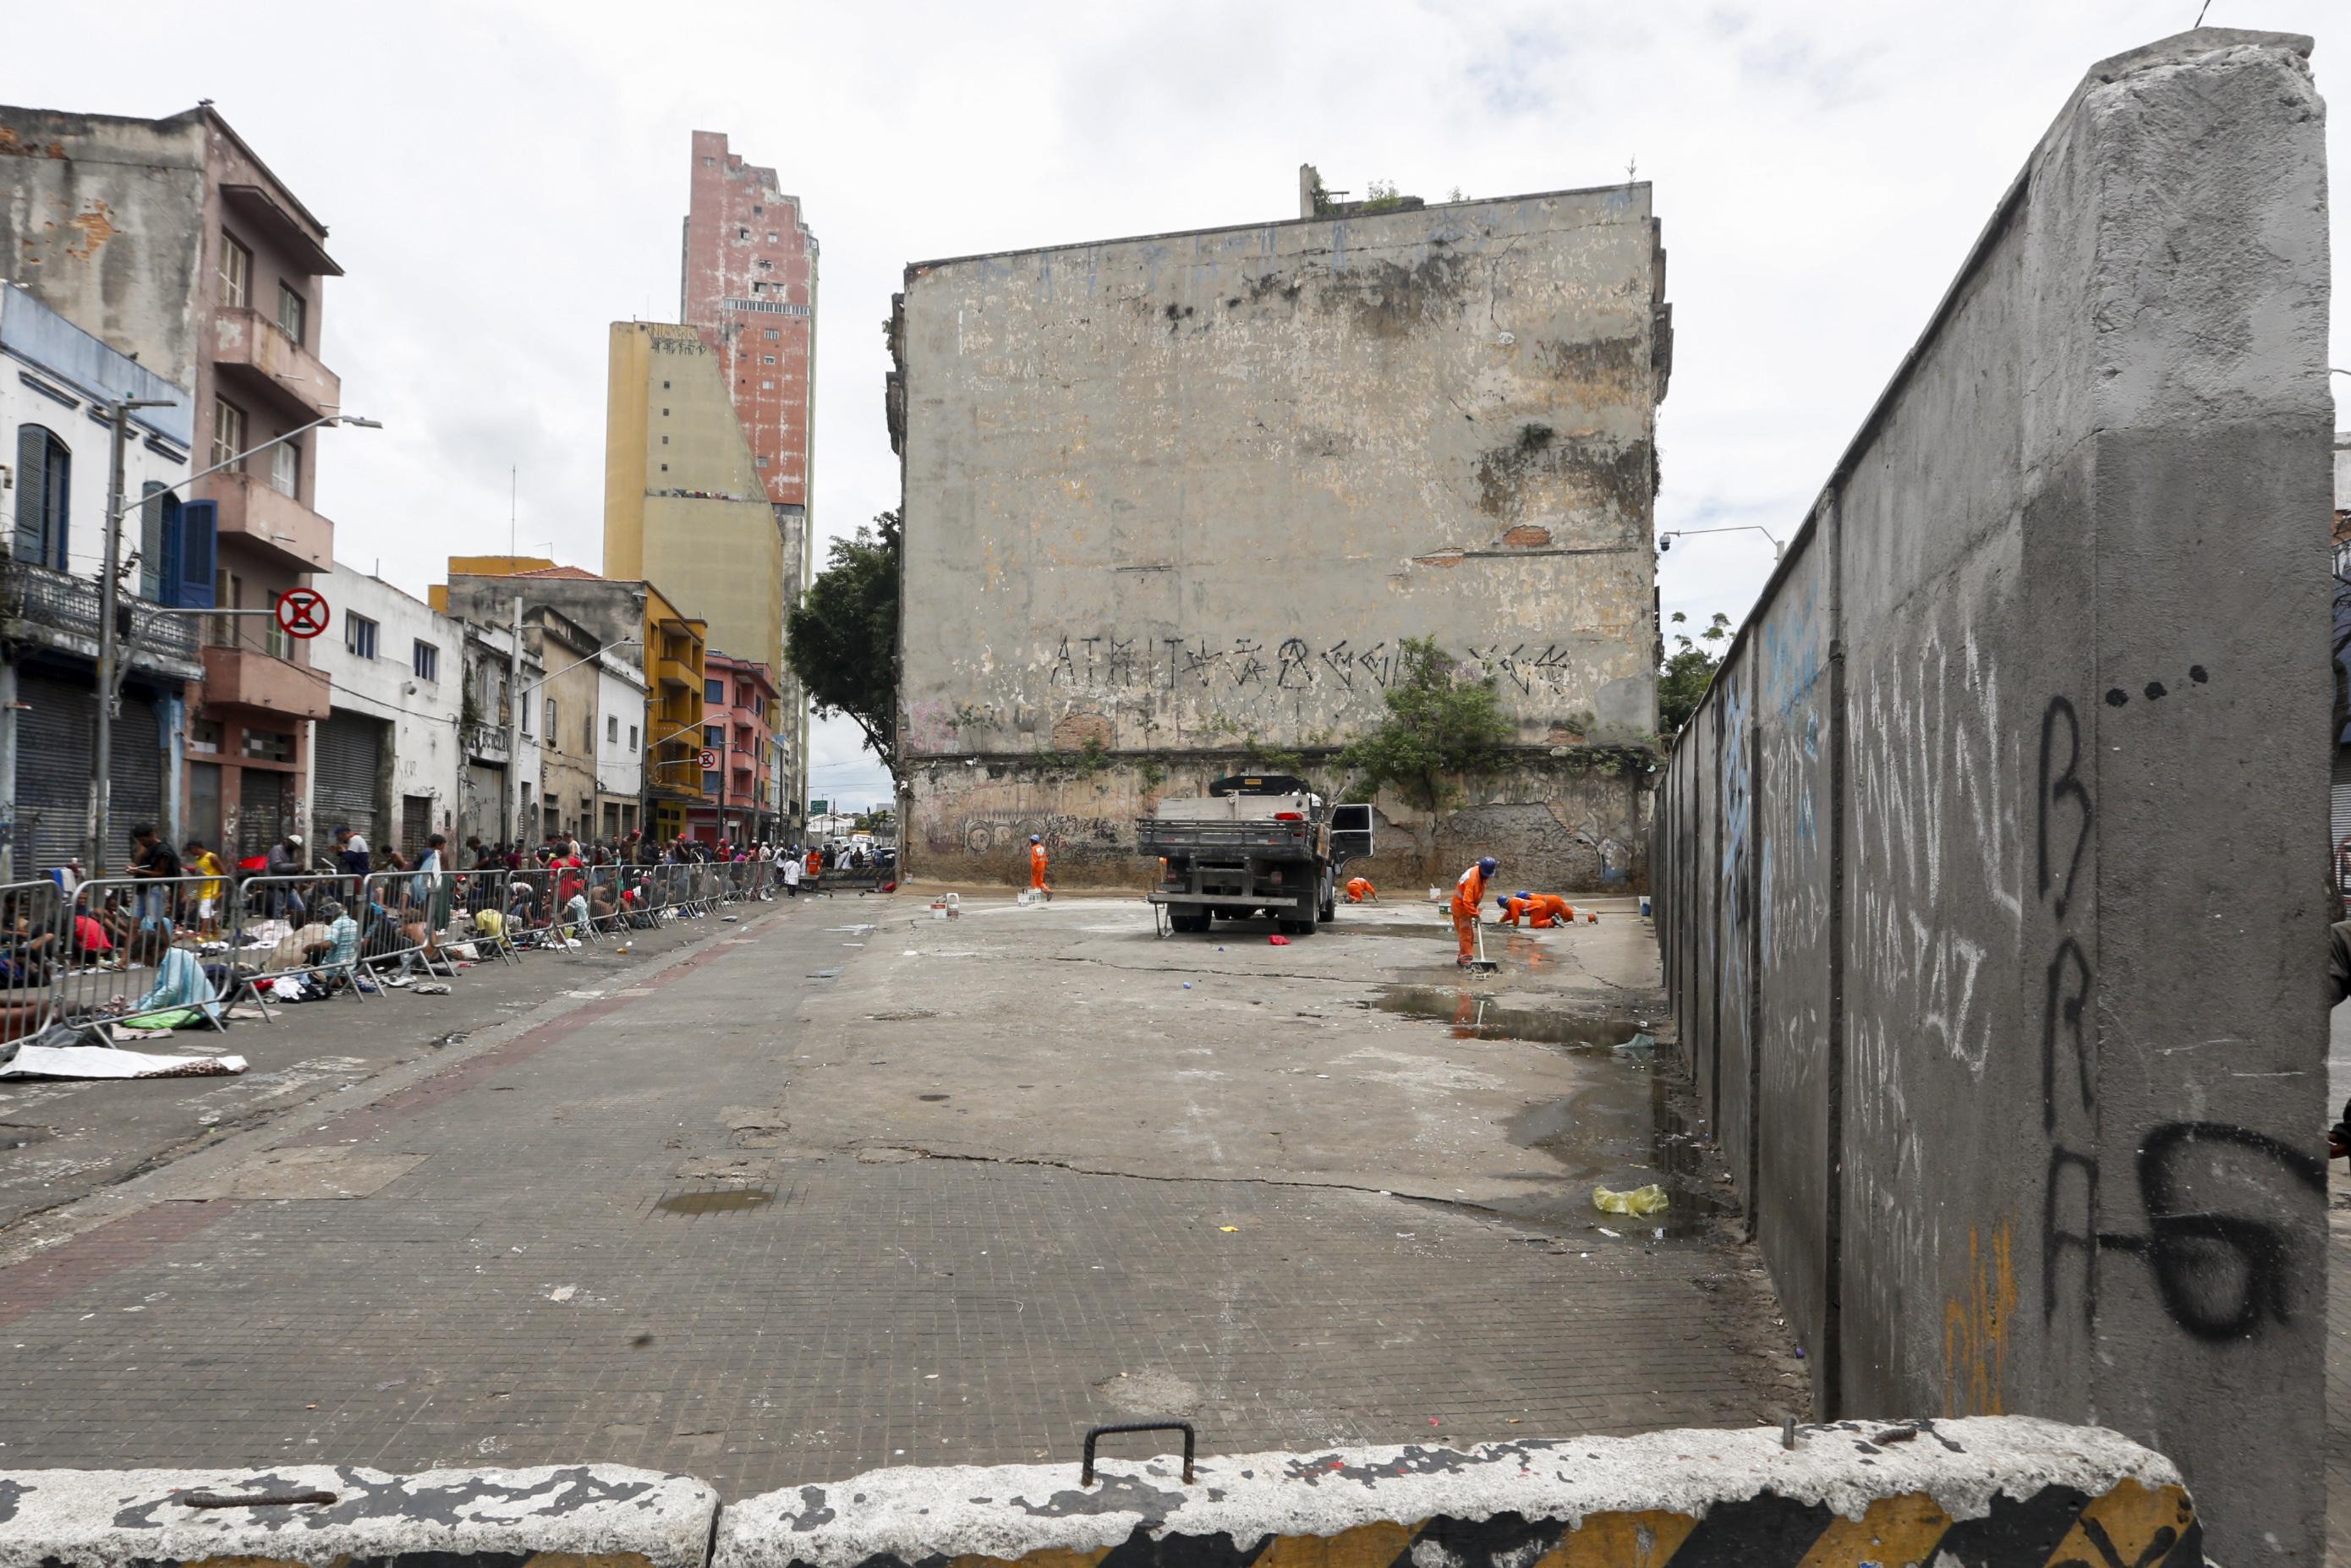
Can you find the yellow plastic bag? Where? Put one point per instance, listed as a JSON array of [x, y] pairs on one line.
[[1646, 1200]]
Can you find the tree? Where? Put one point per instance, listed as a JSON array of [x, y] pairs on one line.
[[841, 641], [1683, 680], [1440, 727]]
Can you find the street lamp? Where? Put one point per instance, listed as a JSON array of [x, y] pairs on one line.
[[110, 600], [1666, 541]]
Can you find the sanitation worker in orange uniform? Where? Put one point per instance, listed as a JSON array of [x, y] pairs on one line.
[[1037, 866], [1468, 893], [1360, 891]]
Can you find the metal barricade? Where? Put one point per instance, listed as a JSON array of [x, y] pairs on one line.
[[477, 905], [406, 913], [285, 928], [530, 906], [33, 937], [114, 934]]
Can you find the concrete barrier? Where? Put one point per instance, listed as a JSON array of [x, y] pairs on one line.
[[564, 1516], [1983, 1492], [1996, 877]]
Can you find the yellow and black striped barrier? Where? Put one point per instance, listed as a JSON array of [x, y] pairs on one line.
[[1986, 1492]]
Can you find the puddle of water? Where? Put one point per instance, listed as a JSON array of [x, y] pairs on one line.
[[735, 1200], [1476, 1017], [1617, 1129]]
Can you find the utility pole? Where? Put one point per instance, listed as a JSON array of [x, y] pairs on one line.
[[110, 598], [515, 699]]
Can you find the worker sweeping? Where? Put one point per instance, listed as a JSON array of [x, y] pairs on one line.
[[1468, 893], [1360, 891], [1037, 866]]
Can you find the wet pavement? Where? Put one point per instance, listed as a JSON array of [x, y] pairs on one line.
[[846, 1186]]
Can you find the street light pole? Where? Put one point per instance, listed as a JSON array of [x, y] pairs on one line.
[[97, 824], [110, 598]]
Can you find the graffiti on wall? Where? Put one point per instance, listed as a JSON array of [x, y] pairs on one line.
[[1105, 662], [994, 834], [2222, 1272]]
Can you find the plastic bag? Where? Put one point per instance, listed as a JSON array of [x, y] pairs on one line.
[[1647, 1199]]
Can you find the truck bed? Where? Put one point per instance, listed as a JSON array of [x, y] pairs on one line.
[[1261, 838]]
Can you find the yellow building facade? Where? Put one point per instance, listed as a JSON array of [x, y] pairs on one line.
[[686, 505]]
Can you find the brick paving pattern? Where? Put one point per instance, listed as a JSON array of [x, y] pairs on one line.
[[524, 1297]]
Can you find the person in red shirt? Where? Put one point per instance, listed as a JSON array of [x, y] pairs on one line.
[[1468, 893]]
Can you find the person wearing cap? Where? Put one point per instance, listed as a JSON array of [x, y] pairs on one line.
[[284, 859], [1468, 893], [1037, 866], [1360, 891]]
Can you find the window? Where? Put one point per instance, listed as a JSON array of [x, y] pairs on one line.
[[664, 441], [525, 719], [710, 782], [236, 273], [767, 386], [228, 432], [760, 461], [588, 734], [552, 743], [774, 336], [767, 358], [714, 736], [204, 735], [713, 692], [268, 746], [632, 738], [426, 661], [286, 468], [611, 730], [292, 311], [359, 636], [44, 483], [758, 706], [159, 521]]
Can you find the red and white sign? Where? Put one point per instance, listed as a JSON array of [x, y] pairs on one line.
[[302, 612], [708, 758]]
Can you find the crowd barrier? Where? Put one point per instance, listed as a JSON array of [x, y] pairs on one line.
[[72, 960]]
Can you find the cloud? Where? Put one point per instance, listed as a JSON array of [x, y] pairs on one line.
[[505, 180]]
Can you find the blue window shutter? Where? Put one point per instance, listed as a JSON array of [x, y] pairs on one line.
[[191, 583]]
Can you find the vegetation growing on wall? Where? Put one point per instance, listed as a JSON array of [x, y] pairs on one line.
[[841, 639], [1441, 727]]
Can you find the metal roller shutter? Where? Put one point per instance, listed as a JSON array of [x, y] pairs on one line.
[[53, 746], [346, 764], [53, 741], [2340, 810]]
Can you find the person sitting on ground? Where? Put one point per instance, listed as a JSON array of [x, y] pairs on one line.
[[1360, 891], [180, 998], [341, 959], [90, 945], [302, 947], [33, 951]]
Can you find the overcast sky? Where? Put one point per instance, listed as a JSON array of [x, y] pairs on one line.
[[502, 180]]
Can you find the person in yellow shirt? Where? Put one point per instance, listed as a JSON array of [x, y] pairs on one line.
[[211, 892]]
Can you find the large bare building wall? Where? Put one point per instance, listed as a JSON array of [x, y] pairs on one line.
[[1190, 492], [2040, 1077]]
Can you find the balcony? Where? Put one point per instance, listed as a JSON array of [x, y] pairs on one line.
[[243, 678], [57, 611], [668, 671], [292, 535], [256, 350]]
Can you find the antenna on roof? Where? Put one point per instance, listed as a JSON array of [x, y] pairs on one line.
[[514, 487]]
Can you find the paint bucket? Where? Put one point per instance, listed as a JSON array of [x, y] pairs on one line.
[[1645, 913]]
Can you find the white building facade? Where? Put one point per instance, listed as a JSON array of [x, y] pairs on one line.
[[619, 745], [57, 382], [387, 762]]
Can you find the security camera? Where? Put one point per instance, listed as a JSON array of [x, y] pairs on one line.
[[1665, 543]]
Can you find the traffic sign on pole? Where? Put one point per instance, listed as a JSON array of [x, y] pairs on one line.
[[302, 612], [708, 758]]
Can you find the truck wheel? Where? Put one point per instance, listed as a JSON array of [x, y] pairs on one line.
[[1330, 910]]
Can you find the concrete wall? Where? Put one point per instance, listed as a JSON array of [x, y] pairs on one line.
[[2010, 922], [1190, 492], [1579, 822]]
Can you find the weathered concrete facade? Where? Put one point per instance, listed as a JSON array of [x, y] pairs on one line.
[[1987, 865], [1186, 495]]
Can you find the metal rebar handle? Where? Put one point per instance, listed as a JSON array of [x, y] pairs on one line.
[[1086, 1472]]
